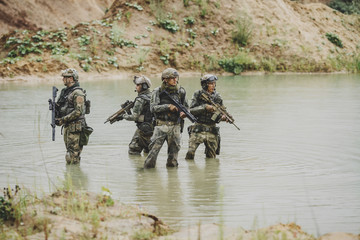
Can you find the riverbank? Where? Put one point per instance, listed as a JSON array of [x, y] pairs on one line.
[[215, 37], [70, 214]]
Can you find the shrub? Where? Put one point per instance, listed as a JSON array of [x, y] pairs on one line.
[[334, 39], [243, 31], [169, 25], [237, 64], [346, 6], [189, 21]]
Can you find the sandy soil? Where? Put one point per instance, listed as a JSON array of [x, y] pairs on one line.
[[287, 34], [68, 214]]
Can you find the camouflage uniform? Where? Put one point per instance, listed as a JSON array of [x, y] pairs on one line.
[[143, 117], [168, 124], [205, 130], [71, 110]]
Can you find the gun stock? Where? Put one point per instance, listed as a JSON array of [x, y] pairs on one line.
[[125, 108], [52, 108], [221, 109], [181, 107]]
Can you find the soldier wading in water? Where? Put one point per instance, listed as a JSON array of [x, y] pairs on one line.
[[70, 113], [142, 116], [168, 119], [205, 130]]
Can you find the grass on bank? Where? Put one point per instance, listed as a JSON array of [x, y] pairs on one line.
[[67, 213]]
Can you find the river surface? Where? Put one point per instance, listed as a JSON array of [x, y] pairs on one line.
[[295, 159]]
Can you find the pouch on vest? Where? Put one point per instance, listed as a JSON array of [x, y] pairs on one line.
[[146, 128], [87, 106], [85, 135]]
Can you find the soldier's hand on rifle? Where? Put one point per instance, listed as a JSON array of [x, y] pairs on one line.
[[59, 121], [210, 108], [119, 118], [173, 108], [182, 115], [224, 118]]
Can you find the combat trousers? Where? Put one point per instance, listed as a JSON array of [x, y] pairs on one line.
[[139, 142], [162, 133], [210, 141], [72, 144]]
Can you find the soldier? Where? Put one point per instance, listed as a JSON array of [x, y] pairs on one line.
[[168, 119], [205, 130], [142, 116], [71, 115]]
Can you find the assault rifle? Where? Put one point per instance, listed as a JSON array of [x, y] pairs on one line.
[[220, 109], [52, 108], [125, 107], [181, 107]]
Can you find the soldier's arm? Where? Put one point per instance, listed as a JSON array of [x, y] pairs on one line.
[[155, 106], [197, 107], [79, 107], [218, 99], [138, 106]]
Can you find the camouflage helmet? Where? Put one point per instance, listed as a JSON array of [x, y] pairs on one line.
[[144, 81], [70, 72], [204, 80], [170, 73]]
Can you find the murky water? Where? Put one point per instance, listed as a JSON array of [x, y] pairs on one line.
[[296, 158]]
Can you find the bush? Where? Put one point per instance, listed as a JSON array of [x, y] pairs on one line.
[[346, 6], [334, 39], [243, 31], [169, 25], [237, 64]]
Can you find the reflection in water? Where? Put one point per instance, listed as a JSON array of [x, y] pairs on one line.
[[204, 182], [75, 176], [164, 192], [204, 185]]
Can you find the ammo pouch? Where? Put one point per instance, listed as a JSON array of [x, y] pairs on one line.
[[146, 128], [85, 134]]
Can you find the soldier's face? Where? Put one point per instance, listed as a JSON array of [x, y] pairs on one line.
[[211, 87], [68, 81], [171, 81], [138, 88]]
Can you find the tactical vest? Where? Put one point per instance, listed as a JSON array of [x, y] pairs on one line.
[[168, 115], [66, 102], [148, 116], [206, 117]]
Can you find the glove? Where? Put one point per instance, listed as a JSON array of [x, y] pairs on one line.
[[59, 121]]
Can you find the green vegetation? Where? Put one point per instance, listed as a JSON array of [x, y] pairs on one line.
[[346, 6], [136, 6], [24, 216], [333, 38], [189, 21], [242, 33], [237, 64], [11, 207], [116, 37], [169, 24]]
